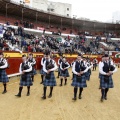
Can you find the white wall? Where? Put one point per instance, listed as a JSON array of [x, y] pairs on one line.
[[40, 4], [61, 8]]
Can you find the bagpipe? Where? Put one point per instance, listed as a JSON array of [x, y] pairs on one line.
[[49, 65], [64, 65], [111, 68], [82, 68]]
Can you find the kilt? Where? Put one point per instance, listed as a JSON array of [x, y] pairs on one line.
[[51, 81], [27, 81], [65, 74], [87, 75], [3, 76], [33, 72], [59, 70], [42, 72], [103, 84], [81, 84]]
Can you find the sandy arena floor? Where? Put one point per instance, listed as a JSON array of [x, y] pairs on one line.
[[60, 106]]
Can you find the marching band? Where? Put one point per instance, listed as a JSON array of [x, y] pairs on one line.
[[81, 69]]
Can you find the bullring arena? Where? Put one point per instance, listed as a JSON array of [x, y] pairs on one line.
[[60, 106], [24, 29]]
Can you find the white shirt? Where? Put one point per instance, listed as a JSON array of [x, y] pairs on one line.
[[42, 61], [101, 65], [5, 63], [73, 67], [33, 61], [59, 62], [53, 69]]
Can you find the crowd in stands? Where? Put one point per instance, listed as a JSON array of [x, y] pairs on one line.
[[18, 40]]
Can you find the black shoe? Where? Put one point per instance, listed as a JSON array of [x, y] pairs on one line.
[[80, 97], [50, 96], [44, 97], [18, 95], [74, 98], [28, 94], [41, 82], [4, 91], [102, 99], [60, 84], [105, 98]]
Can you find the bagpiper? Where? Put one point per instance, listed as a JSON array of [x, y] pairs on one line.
[[25, 80], [33, 63], [49, 66], [41, 71], [79, 81], [59, 62], [95, 61], [3, 76], [106, 69], [89, 65], [64, 65]]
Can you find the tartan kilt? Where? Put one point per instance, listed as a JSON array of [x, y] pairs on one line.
[[51, 81], [66, 74], [33, 72], [42, 72], [103, 84], [3, 76], [95, 65], [81, 84], [87, 75], [27, 82]]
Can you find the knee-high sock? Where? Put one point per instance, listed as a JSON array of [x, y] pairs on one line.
[[106, 90], [45, 88], [80, 92], [103, 92], [20, 90], [51, 89], [58, 73], [4, 84], [65, 80], [42, 77], [75, 92], [61, 81], [28, 88]]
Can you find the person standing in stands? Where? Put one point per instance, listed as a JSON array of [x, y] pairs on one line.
[[3, 76], [59, 62], [64, 65], [106, 69], [49, 66], [33, 62], [79, 81], [25, 70], [95, 61], [41, 71]]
